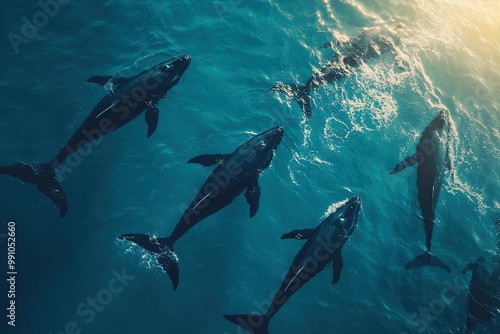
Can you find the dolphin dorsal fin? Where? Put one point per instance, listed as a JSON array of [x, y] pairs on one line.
[[469, 267]]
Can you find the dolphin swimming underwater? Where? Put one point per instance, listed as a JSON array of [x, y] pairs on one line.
[[323, 246], [484, 289], [370, 44], [484, 293], [128, 98], [432, 157], [235, 172]]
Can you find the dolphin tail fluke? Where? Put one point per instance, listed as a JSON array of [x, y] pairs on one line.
[[299, 94], [254, 323], [43, 176], [426, 259], [164, 249]]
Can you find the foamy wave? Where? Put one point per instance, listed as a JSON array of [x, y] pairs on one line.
[[334, 207]]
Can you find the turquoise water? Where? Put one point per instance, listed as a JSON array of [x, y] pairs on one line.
[[361, 127]]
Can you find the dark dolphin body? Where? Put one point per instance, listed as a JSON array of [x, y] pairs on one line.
[[235, 172], [323, 246], [484, 293], [127, 100], [432, 157], [484, 289], [370, 44]]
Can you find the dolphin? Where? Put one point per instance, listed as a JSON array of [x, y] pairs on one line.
[[484, 289], [323, 246], [129, 97], [432, 157], [370, 44], [484, 293], [235, 173]]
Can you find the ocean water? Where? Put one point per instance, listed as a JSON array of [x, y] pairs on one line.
[[229, 264]]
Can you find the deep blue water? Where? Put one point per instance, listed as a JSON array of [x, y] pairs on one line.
[[361, 127]]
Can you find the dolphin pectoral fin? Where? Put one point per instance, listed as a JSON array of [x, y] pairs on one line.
[[152, 115], [473, 266], [469, 267], [406, 162], [299, 94], [100, 79], [253, 197], [299, 234], [337, 265], [209, 159]]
